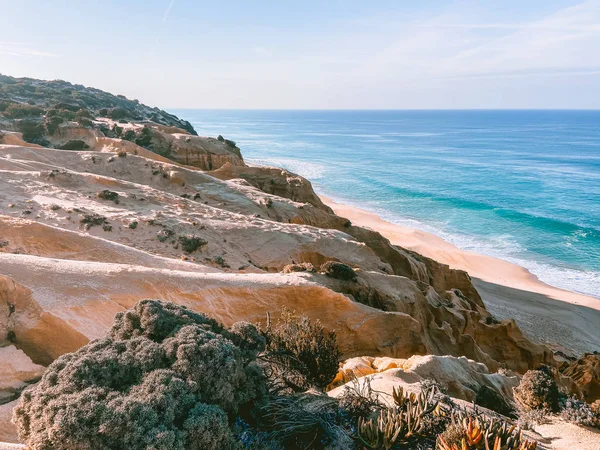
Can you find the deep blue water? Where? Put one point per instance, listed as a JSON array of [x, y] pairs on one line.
[[520, 185]]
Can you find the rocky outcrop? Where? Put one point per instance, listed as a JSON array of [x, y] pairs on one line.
[[16, 372], [206, 153], [585, 372], [460, 377], [275, 181]]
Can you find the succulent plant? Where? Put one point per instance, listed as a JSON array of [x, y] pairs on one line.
[[481, 432], [399, 423]]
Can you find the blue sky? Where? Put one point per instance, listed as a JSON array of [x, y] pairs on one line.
[[313, 54]]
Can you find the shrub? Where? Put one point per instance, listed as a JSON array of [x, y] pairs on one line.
[[190, 243], [221, 138], [231, 144], [528, 419], [32, 131], [359, 399], [338, 270], [5, 104], [74, 144], [537, 390], [144, 139], [91, 220], [164, 234], [52, 124], [301, 353], [308, 420], [84, 122], [119, 113], [19, 110], [163, 378], [579, 413], [129, 135], [108, 195]]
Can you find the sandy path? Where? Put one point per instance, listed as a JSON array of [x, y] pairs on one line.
[[564, 319]]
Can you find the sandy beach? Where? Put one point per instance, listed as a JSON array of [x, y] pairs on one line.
[[567, 321]]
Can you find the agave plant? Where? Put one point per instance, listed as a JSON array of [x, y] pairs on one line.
[[481, 432], [400, 423]]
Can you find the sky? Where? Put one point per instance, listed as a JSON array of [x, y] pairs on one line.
[[313, 54]]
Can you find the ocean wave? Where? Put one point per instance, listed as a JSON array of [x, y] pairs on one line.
[[501, 246], [313, 171]]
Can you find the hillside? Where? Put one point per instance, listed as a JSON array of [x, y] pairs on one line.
[[87, 232]]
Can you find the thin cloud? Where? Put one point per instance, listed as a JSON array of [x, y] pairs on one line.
[[168, 11]]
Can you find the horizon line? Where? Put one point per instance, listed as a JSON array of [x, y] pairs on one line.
[[382, 109]]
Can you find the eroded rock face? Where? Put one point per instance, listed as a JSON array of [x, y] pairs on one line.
[[16, 372], [78, 259], [275, 181], [203, 152], [585, 371]]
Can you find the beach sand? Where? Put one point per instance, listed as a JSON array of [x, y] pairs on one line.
[[565, 320]]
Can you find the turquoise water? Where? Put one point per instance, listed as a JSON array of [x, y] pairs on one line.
[[523, 186]]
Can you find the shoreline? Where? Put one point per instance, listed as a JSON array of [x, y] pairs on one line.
[[566, 320]]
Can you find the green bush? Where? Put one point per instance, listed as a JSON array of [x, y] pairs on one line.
[[74, 144], [301, 353], [84, 122], [32, 131], [164, 378], [108, 195], [191, 243], [129, 135], [220, 138], [91, 220], [119, 113], [5, 104], [144, 138], [19, 110]]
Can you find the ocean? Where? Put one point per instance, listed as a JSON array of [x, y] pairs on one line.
[[523, 186]]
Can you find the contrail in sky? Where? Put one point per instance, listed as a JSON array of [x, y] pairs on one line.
[[168, 11]]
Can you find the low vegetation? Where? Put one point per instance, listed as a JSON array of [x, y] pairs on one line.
[[74, 144], [190, 243], [538, 390], [108, 195], [29, 98], [166, 377], [302, 354], [338, 270]]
